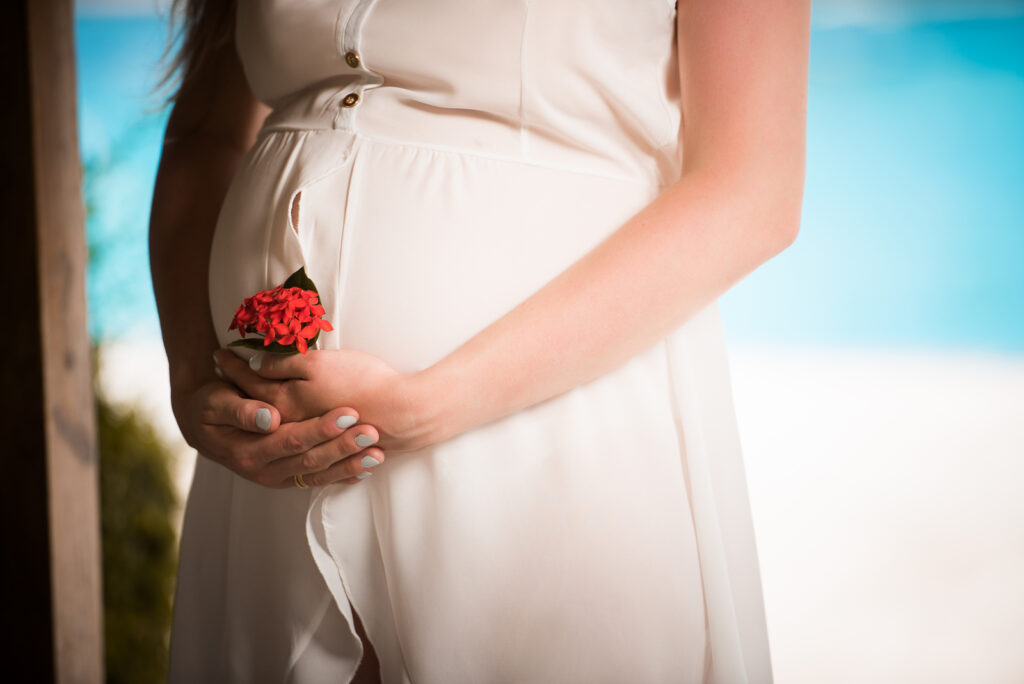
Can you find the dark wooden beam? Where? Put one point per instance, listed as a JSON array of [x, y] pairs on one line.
[[52, 614]]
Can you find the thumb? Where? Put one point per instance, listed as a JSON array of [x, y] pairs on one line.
[[229, 408], [280, 366]]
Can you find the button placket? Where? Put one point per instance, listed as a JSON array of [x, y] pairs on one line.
[[348, 45]]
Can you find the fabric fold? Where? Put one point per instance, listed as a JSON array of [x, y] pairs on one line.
[[698, 375]]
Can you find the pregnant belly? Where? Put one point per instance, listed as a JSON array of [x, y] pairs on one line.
[[414, 250]]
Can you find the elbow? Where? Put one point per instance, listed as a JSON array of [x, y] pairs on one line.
[[764, 204], [790, 198], [782, 215], [766, 199], [789, 227]]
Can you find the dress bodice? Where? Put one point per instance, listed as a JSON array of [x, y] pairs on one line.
[[590, 85]]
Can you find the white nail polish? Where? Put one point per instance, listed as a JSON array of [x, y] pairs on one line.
[[363, 476], [345, 421], [256, 361], [215, 361], [369, 461], [364, 440], [263, 419], [219, 372]]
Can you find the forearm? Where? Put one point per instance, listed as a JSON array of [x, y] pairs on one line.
[[192, 179], [673, 258]]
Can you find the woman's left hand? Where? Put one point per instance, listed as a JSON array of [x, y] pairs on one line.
[[302, 386]]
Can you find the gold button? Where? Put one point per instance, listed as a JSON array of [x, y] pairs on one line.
[[352, 59], [350, 100]]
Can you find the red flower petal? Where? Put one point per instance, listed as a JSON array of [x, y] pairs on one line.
[[286, 315]]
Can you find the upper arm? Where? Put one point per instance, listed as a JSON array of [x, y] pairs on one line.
[[743, 91], [217, 104], [214, 121]]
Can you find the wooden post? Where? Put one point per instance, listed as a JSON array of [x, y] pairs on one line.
[[49, 503]]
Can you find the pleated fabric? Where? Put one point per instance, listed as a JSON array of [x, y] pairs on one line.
[[449, 159]]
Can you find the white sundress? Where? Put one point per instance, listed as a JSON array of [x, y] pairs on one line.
[[452, 157]]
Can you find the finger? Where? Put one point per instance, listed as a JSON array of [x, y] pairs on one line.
[[238, 371], [226, 407], [299, 437], [282, 366], [326, 454], [357, 467], [329, 453]]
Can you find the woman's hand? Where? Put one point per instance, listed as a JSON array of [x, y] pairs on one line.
[[304, 385], [248, 438]]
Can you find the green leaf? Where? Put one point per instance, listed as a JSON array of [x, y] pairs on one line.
[[257, 343], [301, 280]]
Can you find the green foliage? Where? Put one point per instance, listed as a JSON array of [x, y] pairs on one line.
[[137, 502], [300, 280], [258, 344]]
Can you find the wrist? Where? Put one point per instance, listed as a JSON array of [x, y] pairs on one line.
[[431, 406], [187, 376]]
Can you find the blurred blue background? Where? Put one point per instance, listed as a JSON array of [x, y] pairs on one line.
[[913, 229]]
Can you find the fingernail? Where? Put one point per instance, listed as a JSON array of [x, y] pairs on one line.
[[369, 461], [345, 421], [363, 476], [364, 440], [263, 419], [256, 361], [215, 361], [219, 372]]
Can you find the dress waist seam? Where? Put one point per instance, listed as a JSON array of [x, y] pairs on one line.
[[462, 152]]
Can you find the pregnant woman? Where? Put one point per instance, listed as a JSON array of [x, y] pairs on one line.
[[514, 458]]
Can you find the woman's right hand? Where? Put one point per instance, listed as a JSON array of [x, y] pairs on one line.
[[248, 438]]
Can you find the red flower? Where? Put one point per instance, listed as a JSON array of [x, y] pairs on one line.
[[285, 315]]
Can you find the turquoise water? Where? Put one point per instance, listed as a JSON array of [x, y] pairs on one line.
[[913, 230]]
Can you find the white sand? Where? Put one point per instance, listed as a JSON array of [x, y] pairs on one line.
[[886, 491], [885, 488]]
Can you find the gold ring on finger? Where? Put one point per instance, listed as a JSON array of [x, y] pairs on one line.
[[299, 482]]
